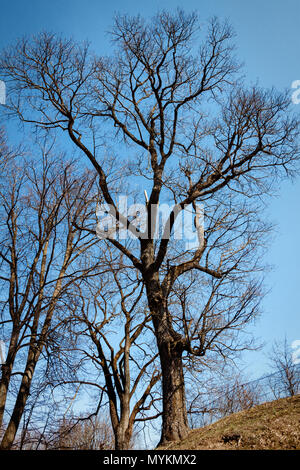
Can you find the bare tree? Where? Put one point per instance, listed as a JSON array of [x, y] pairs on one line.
[[6, 153], [286, 378], [196, 134], [114, 337], [86, 434], [236, 396], [39, 250]]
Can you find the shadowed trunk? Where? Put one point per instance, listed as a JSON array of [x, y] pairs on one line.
[[175, 423], [6, 373], [5, 379], [170, 346]]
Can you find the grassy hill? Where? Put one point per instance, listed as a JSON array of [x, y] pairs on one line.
[[272, 425]]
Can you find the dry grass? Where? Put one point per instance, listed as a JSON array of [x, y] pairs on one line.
[[270, 426]]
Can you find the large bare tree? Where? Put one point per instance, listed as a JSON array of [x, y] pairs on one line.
[[169, 104]]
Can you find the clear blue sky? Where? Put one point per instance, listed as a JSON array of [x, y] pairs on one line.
[[269, 44]]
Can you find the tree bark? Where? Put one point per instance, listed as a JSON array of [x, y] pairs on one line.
[[24, 390], [123, 438], [175, 423], [170, 345], [123, 433], [6, 372], [6, 375]]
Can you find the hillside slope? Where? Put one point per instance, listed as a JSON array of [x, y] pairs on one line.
[[272, 425]]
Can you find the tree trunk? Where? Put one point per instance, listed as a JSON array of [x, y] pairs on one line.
[[175, 423], [6, 373], [122, 438], [124, 429], [24, 390], [170, 347]]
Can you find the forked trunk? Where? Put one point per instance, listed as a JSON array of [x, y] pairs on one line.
[[123, 432], [122, 439]]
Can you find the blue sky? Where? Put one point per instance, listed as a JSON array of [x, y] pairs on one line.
[[268, 43]]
